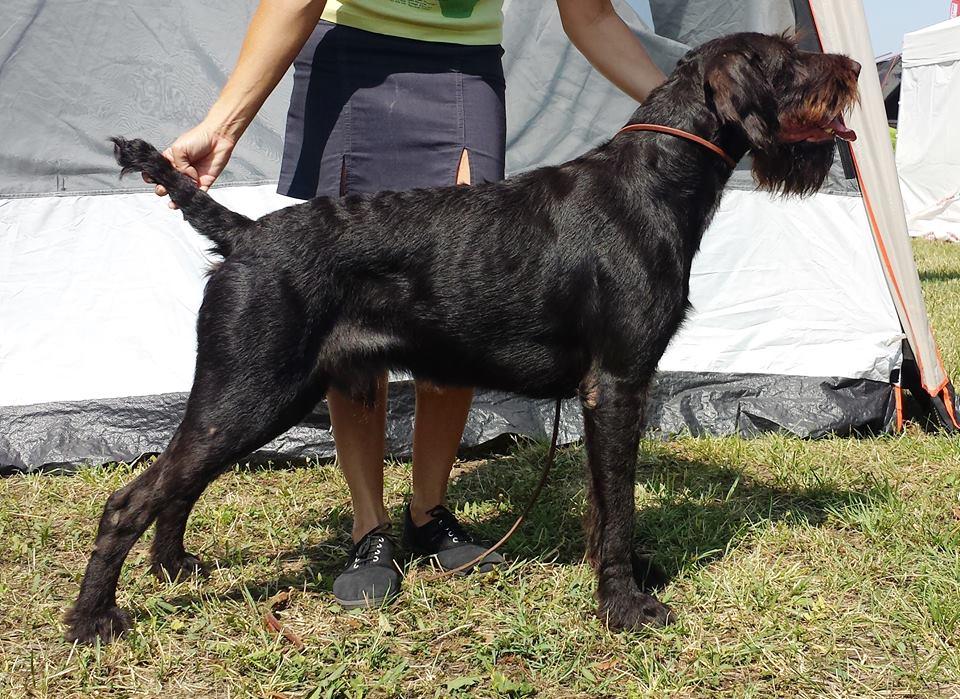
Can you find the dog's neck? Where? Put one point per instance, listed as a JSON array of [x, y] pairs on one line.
[[691, 176], [680, 102]]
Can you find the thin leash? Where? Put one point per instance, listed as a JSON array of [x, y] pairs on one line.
[[551, 454], [680, 133], [547, 466]]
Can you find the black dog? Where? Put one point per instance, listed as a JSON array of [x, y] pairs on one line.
[[562, 280]]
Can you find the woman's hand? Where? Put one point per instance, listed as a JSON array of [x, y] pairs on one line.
[[201, 154]]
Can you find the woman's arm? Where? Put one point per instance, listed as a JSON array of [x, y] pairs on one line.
[[277, 32], [594, 27]]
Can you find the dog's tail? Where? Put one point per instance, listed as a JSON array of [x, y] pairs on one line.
[[215, 221]]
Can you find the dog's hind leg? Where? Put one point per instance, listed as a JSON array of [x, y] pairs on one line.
[[170, 487], [169, 559], [127, 514], [612, 419], [249, 387]]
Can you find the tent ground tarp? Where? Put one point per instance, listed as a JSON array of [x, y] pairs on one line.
[[124, 429]]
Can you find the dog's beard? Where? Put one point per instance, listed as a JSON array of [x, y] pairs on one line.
[[793, 168]]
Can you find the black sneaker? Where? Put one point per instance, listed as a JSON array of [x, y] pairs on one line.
[[372, 576], [445, 540]]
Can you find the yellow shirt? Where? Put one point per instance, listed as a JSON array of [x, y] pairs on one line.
[[472, 22]]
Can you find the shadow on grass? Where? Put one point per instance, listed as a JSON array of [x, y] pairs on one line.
[[940, 275], [692, 512]]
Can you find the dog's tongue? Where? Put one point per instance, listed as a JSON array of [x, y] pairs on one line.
[[841, 131], [835, 128]]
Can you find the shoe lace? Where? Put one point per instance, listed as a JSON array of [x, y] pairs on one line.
[[446, 525], [369, 548]]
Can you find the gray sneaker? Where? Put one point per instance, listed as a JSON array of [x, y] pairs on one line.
[[372, 576], [446, 541]]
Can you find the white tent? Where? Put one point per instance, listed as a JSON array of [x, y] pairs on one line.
[[928, 137], [808, 316]]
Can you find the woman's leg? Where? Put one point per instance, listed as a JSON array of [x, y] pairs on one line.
[[440, 416], [358, 429]]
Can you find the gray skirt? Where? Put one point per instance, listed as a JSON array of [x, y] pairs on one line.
[[371, 112]]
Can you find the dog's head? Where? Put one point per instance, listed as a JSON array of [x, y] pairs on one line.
[[786, 104]]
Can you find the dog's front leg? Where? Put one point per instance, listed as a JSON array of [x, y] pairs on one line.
[[612, 418]]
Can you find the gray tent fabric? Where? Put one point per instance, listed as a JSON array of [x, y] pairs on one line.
[[73, 74], [692, 22]]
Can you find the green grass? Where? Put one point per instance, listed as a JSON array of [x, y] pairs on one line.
[[827, 568]]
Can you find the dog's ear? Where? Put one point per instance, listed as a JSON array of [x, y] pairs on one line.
[[741, 94]]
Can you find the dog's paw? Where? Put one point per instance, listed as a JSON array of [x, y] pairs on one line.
[[106, 625], [179, 569], [631, 610]]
